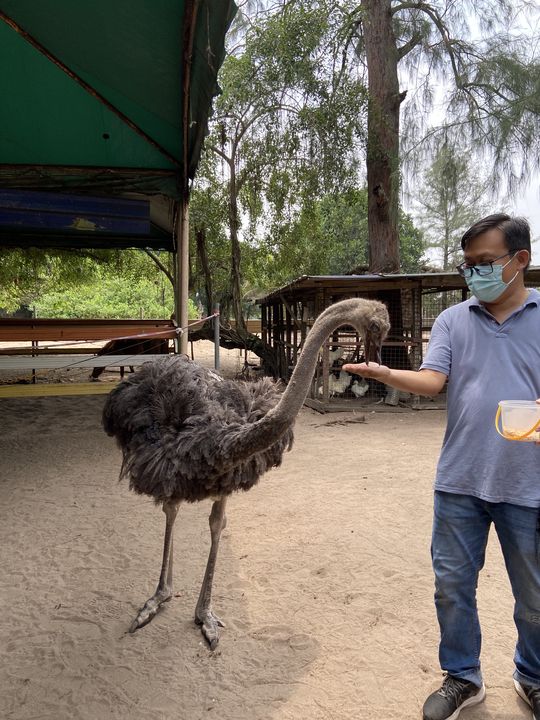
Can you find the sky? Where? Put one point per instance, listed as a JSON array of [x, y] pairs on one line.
[[525, 201], [527, 204]]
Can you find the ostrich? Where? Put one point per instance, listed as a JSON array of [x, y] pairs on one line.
[[187, 434]]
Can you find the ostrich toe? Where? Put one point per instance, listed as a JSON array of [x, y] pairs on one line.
[[209, 626], [150, 608]]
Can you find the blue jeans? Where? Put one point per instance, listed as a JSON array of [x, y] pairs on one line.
[[460, 531]]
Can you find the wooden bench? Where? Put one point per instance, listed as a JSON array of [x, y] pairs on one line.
[[66, 354], [47, 330], [56, 362], [36, 330]]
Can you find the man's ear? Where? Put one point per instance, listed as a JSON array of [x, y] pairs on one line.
[[523, 257]]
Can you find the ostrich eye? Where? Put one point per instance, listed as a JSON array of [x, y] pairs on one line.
[[374, 327]]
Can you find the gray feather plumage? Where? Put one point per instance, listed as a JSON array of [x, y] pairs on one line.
[[178, 423]]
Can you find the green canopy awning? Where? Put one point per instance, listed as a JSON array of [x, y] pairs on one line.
[[108, 96]]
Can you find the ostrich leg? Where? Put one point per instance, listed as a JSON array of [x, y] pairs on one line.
[[164, 589], [204, 615]]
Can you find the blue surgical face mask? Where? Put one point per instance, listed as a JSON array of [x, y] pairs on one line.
[[487, 288]]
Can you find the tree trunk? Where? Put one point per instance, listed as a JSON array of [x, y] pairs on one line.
[[232, 338], [235, 251], [202, 254], [383, 136]]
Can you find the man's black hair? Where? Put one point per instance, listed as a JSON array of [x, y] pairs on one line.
[[516, 231]]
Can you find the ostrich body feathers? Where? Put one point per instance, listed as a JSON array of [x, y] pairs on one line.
[[178, 425]]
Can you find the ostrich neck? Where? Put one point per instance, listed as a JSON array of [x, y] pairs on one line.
[[261, 435], [293, 398]]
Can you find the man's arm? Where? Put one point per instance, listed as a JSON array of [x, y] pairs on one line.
[[417, 382]]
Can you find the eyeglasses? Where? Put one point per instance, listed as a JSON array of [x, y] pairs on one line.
[[486, 268]]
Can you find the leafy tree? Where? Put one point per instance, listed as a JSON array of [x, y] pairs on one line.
[[494, 91], [450, 200], [330, 236], [286, 127], [87, 283], [412, 245], [210, 248], [408, 50], [108, 296], [25, 275]]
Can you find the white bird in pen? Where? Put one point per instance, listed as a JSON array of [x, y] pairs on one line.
[[359, 387], [337, 385], [334, 355]]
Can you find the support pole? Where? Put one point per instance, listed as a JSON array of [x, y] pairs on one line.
[[216, 339], [182, 273]]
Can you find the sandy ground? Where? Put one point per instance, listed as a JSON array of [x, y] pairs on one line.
[[323, 580]]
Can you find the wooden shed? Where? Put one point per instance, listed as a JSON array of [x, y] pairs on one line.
[[413, 302]]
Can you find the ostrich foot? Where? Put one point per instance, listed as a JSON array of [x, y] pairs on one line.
[[150, 609], [209, 626]]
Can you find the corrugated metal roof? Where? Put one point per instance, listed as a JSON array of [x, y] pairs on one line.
[[376, 282]]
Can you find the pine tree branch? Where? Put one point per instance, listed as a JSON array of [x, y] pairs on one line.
[[437, 20], [406, 48]]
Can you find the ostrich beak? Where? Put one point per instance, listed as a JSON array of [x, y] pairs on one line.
[[372, 347]]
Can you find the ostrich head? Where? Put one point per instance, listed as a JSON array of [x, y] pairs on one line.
[[375, 333], [369, 318]]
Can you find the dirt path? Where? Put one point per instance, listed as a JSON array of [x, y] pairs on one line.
[[323, 579]]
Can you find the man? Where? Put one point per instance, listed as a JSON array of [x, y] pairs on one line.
[[489, 350]]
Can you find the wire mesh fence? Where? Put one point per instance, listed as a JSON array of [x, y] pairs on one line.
[[333, 388]]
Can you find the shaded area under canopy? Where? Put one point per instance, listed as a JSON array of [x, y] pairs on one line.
[[107, 99]]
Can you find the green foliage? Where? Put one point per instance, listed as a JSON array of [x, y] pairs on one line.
[[287, 131], [289, 119], [109, 297], [506, 85], [330, 236], [85, 284], [450, 200], [412, 245], [25, 275], [208, 215]]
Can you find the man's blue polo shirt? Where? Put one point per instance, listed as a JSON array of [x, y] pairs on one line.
[[486, 362]]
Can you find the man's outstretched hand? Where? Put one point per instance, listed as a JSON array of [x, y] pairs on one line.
[[373, 370]]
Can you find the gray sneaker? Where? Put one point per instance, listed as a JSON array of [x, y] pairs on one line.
[[531, 695], [449, 700]]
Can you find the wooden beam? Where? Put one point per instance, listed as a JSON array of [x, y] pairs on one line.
[[58, 362], [26, 329], [55, 389]]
